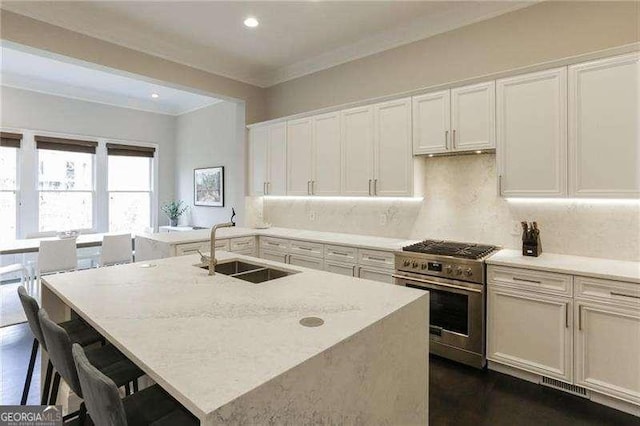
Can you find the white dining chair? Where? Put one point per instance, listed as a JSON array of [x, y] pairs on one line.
[[25, 277], [56, 256], [116, 249]]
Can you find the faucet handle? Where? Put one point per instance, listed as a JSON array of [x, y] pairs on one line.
[[203, 258]]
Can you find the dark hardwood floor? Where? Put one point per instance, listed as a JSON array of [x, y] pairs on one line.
[[459, 395]]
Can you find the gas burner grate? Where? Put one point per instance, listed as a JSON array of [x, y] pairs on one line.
[[448, 248]]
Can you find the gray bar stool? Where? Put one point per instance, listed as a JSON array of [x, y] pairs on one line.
[[78, 330], [107, 359], [149, 407]]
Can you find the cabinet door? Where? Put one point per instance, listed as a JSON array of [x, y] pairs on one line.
[[604, 136], [307, 262], [373, 274], [532, 134], [340, 268], [277, 160], [530, 331], [431, 122], [357, 151], [393, 173], [299, 156], [473, 117], [608, 349], [258, 141], [327, 154]]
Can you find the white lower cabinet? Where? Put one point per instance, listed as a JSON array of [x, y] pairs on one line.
[[580, 330], [530, 331], [340, 268], [608, 349], [275, 256]]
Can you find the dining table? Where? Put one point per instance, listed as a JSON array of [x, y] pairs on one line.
[[32, 245]]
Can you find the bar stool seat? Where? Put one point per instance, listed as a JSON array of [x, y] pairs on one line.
[[153, 406]]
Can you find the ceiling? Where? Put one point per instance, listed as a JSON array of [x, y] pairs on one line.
[[293, 38], [48, 75]]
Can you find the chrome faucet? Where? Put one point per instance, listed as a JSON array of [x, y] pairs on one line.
[[212, 255]]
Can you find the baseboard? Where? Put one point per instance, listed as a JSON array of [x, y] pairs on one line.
[[596, 397]]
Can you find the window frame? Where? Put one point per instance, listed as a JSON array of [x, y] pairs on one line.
[[16, 189]]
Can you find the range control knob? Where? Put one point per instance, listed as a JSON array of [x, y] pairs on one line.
[[448, 269], [406, 262], [468, 272], [414, 264], [423, 266], [459, 270]]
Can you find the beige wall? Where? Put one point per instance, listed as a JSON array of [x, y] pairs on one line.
[[540, 33], [40, 35]]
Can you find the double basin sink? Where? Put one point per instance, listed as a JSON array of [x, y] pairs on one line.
[[248, 271]]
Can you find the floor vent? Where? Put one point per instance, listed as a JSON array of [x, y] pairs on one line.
[[557, 384]]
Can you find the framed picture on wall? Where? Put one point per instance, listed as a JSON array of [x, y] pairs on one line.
[[208, 187]]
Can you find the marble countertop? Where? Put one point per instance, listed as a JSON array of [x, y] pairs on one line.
[[209, 340], [575, 265], [362, 241]]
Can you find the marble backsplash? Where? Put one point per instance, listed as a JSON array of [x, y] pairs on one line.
[[461, 203]]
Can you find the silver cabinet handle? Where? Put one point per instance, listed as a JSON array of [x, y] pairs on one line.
[[435, 284], [264, 188], [313, 187], [359, 271], [526, 280], [305, 248], [268, 187], [499, 184], [308, 187], [338, 253], [454, 138], [369, 186], [375, 187], [353, 271], [613, 293], [377, 259], [566, 315], [580, 317], [446, 138]]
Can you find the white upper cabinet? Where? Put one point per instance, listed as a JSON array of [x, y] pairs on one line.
[[327, 155], [268, 153], [604, 145], [532, 134], [357, 151], [277, 160], [473, 117], [393, 169], [258, 140], [431, 122], [299, 156]]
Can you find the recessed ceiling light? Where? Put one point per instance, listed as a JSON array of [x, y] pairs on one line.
[[251, 22], [155, 95]]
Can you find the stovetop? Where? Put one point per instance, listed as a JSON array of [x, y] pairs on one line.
[[451, 248]]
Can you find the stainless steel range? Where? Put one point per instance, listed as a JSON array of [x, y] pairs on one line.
[[454, 275]]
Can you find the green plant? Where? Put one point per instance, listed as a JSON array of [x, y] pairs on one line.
[[174, 209]]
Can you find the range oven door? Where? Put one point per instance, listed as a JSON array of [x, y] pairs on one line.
[[456, 313]]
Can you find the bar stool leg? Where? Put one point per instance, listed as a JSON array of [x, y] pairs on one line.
[[32, 363], [47, 384], [54, 389]]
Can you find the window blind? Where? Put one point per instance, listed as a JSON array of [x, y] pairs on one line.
[[63, 144], [11, 140], [130, 150]]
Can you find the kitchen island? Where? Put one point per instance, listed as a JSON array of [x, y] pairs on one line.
[[234, 352]]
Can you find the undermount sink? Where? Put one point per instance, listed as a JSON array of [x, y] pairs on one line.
[[248, 271]]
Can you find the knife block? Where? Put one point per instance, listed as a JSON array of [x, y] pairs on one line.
[[532, 247]]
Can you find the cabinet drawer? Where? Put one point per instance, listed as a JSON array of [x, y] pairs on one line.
[[275, 256], [192, 248], [306, 248], [243, 243], [247, 252], [341, 253], [527, 279], [220, 245], [340, 268], [380, 275], [618, 292], [379, 259], [307, 262], [274, 244]]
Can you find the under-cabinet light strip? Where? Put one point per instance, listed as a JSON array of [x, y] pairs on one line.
[[335, 198], [600, 201]]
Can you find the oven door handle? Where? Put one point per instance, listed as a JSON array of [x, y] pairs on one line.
[[435, 284]]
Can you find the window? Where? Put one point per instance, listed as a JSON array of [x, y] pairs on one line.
[[9, 145], [130, 187], [65, 183]]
